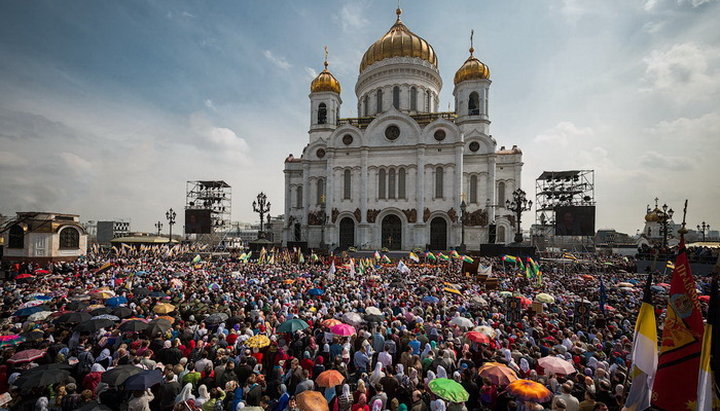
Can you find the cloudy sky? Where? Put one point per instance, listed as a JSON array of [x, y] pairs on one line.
[[108, 107]]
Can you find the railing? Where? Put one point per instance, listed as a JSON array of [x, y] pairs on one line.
[[423, 119]]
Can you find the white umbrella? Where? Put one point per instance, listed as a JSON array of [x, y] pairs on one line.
[[556, 365], [373, 311], [352, 318], [462, 322], [39, 316], [489, 331]]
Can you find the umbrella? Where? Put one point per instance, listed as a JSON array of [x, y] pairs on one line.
[[462, 322], [449, 390], [330, 322], [216, 318], [587, 277], [101, 311], [122, 312], [624, 284], [657, 288], [39, 316], [27, 311], [34, 335], [143, 380], [157, 294], [8, 340], [41, 271], [626, 289], [164, 308], [104, 294], [478, 300], [430, 299], [344, 330], [94, 325], [74, 317], [26, 356], [505, 294], [258, 341], [133, 326], [158, 326], [116, 376], [24, 276], [329, 378], [545, 298], [664, 285], [80, 297], [452, 290], [372, 318], [76, 305], [41, 378], [704, 298], [527, 390], [316, 291], [556, 365], [499, 374], [352, 318], [94, 406], [373, 310], [32, 303], [115, 301], [169, 319], [141, 291], [311, 401], [478, 337], [293, 325], [489, 331], [106, 317]]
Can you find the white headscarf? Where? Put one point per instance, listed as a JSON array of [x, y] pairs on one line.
[[97, 368], [346, 390], [377, 405], [377, 374], [441, 372], [203, 393], [430, 377], [185, 393], [437, 405], [400, 370]]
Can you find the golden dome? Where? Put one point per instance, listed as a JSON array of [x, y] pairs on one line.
[[325, 81], [399, 41], [472, 69], [653, 216]]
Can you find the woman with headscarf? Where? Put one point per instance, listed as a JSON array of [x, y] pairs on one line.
[[202, 396], [437, 405], [360, 390], [104, 359], [345, 399], [284, 399], [185, 394], [92, 379], [377, 374], [441, 372], [41, 404], [361, 404], [377, 405]]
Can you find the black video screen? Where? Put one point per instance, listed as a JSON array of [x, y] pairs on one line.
[[575, 220]]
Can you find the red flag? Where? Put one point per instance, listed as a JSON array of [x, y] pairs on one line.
[[675, 386]]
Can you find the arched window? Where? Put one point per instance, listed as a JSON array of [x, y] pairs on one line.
[[473, 189], [649, 232], [391, 183], [413, 99], [322, 114], [500, 234], [501, 194], [69, 238], [439, 182], [401, 183], [366, 103], [298, 197], [381, 183], [347, 187], [428, 101], [474, 104], [396, 97], [320, 191], [16, 237], [378, 103]]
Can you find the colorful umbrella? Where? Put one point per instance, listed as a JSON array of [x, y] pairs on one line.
[[42, 272], [556, 365], [489, 331], [329, 378], [10, 340], [27, 311], [587, 277], [506, 294], [477, 337], [545, 298], [104, 294], [258, 341], [164, 308], [344, 330], [293, 325], [624, 284], [330, 322], [169, 319], [39, 316], [499, 374], [26, 356], [449, 390], [526, 390], [311, 401]]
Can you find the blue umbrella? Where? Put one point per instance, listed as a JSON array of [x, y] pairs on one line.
[[157, 294], [141, 273], [143, 380], [316, 291], [115, 301], [24, 312], [430, 299]]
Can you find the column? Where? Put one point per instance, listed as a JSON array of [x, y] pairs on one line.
[[491, 185], [458, 187], [363, 184], [420, 237], [330, 196], [288, 203]]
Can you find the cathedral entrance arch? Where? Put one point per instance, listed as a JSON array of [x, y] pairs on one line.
[[438, 234], [347, 233], [392, 232]]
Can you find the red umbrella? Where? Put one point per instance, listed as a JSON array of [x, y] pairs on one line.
[[478, 337], [22, 276], [42, 272], [705, 298], [26, 356], [344, 330]]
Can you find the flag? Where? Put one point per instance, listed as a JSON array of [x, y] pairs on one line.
[[430, 256], [454, 254], [376, 255], [708, 389], [670, 265], [569, 256], [644, 354], [331, 271], [103, 268], [385, 259], [676, 381], [197, 259], [301, 258], [414, 257], [482, 270], [602, 299], [443, 257], [468, 259], [352, 267], [513, 259], [403, 268]]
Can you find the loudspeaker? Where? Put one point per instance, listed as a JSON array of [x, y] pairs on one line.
[[492, 233]]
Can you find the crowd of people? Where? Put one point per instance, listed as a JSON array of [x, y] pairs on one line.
[[143, 331]]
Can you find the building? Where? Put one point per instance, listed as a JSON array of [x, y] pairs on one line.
[[43, 237], [653, 230], [396, 175], [108, 230]]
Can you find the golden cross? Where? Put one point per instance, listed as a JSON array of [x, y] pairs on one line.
[[472, 33], [326, 55]]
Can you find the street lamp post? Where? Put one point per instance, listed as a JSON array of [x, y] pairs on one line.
[[463, 209], [518, 204], [703, 229], [158, 225], [170, 216], [262, 207], [664, 218]]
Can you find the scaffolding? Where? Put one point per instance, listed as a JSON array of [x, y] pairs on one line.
[[214, 196]]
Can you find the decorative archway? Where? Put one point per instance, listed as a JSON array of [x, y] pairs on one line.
[[391, 232], [438, 234], [347, 233]]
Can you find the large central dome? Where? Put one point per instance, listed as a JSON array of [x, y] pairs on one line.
[[399, 41]]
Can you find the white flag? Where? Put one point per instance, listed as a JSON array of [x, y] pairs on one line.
[[403, 268], [331, 271], [352, 267]]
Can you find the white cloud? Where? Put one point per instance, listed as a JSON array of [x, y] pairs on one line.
[[8, 159], [695, 3], [312, 73], [209, 104], [697, 130], [351, 17], [685, 71], [75, 162], [653, 159], [278, 61], [564, 133]]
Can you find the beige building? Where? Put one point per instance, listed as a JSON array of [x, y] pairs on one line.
[[43, 237]]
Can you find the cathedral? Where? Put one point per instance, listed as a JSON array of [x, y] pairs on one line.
[[400, 173]]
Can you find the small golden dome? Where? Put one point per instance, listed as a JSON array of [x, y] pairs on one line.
[[399, 41], [472, 69], [653, 216], [325, 81]]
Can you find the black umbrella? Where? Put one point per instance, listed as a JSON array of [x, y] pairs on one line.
[[52, 367], [74, 317], [122, 312], [374, 318], [133, 326], [76, 305], [101, 311], [116, 376], [143, 380], [216, 318], [94, 406], [157, 327], [41, 378], [140, 291], [94, 325], [232, 321]]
